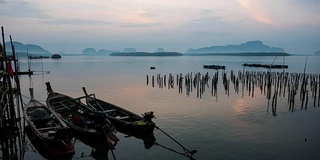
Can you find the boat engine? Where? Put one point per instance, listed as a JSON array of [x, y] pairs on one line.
[[147, 116]]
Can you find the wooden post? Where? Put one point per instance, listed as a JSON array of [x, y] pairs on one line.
[[147, 80]]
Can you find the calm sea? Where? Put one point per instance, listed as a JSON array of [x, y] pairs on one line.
[[234, 126]]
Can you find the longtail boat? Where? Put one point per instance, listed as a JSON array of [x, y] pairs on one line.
[[214, 67], [83, 120], [122, 119], [48, 128]]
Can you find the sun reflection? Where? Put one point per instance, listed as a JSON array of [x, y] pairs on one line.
[[239, 106]]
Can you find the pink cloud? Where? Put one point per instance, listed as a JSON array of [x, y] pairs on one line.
[[257, 11]]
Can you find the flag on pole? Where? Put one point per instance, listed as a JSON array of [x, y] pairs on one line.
[[9, 67]]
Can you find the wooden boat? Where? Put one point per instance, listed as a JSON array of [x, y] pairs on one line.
[[121, 118], [214, 67], [48, 128], [42, 147], [266, 66], [83, 120]]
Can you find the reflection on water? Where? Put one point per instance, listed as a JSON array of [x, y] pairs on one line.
[[270, 84], [40, 147], [148, 140], [239, 107], [223, 127]]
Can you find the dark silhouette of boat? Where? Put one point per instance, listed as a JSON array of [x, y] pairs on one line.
[[50, 130], [37, 57], [121, 118], [214, 67], [265, 66], [83, 120]]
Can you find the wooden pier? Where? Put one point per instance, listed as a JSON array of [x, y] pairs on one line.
[[11, 124]]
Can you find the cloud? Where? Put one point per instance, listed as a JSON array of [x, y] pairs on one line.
[[82, 22], [307, 3], [21, 9], [211, 33], [258, 11], [284, 13], [140, 25], [147, 14], [160, 34], [211, 27], [207, 12], [205, 22]]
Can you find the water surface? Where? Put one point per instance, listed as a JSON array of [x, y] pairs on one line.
[[227, 127]]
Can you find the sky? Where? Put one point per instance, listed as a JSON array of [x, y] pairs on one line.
[[73, 25]]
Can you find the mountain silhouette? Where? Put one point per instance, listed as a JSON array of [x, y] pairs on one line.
[[250, 46], [23, 49]]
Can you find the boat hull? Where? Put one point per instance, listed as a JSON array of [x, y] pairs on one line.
[[50, 149], [84, 122], [138, 127], [122, 119], [47, 128]]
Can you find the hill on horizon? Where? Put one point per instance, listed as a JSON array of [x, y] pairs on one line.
[[22, 49], [250, 46], [100, 51]]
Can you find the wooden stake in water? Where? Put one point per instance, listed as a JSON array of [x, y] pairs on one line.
[[147, 80], [305, 107], [319, 91]]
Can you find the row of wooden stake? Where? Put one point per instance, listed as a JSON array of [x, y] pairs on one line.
[[270, 84]]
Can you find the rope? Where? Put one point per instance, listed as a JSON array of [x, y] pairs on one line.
[[187, 152], [30, 98], [172, 150]]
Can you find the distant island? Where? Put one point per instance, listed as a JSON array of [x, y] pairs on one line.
[[146, 54], [129, 50], [250, 48], [56, 56], [24, 50], [134, 52], [317, 53], [241, 54], [160, 50], [92, 51]]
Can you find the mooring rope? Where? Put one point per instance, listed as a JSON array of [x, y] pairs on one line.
[[172, 150], [187, 152]]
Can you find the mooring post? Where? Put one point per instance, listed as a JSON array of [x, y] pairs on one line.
[[319, 91], [147, 80]]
